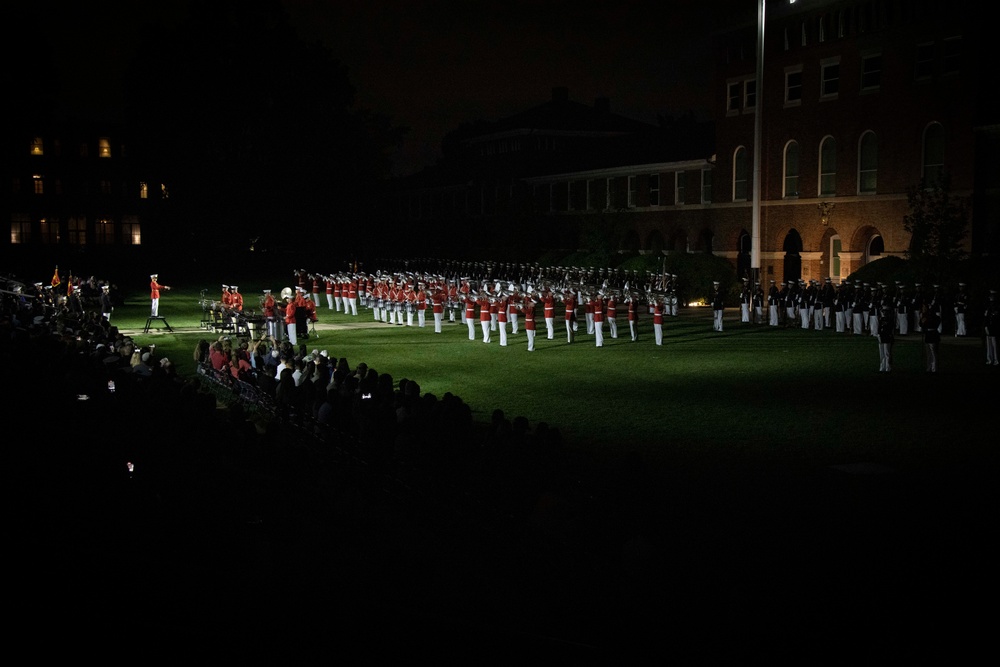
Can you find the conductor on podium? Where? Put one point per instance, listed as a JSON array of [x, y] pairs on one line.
[[154, 293]]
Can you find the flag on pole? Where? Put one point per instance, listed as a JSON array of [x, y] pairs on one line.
[[55, 277]]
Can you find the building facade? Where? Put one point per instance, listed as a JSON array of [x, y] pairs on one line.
[[862, 100], [77, 198]]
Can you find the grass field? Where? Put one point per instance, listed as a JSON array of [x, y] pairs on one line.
[[751, 496], [758, 393]]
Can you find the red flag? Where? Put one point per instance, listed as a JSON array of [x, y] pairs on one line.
[[55, 277]]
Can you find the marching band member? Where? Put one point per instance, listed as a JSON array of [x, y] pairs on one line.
[[290, 316], [633, 316], [438, 301], [485, 317], [469, 315], [549, 312], [569, 299], [409, 302], [611, 317], [528, 308], [452, 301], [352, 295], [513, 306], [597, 313], [315, 290], [267, 305], [502, 309], [329, 294], [657, 303]]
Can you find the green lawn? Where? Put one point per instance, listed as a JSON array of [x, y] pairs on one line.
[[752, 393]]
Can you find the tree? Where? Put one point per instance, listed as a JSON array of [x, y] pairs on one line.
[[938, 223], [255, 130]]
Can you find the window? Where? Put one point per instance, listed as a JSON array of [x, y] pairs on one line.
[[749, 94], [609, 194], [105, 185], [39, 184], [48, 231], [830, 77], [104, 147], [791, 185], [143, 190], [131, 232], [933, 166], [577, 195], [824, 21], [598, 197], [925, 61], [740, 174], [37, 148], [679, 182], [733, 104], [952, 56], [104, 232], [20, 228], [871, 72], [868, 164], [654, 189], [828, 167], [706, 186], [78, 231], [84, 149], [633, 191], [793, 85]]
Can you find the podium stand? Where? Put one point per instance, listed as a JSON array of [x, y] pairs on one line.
[[156, 318]]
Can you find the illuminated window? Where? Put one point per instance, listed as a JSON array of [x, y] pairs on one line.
[[77, 231], [791, 183], [39, 185], [131, 232], [104, 232], [654, 189], [48, 230], [871, 72], [679, 187], [104, 147], [740, 173], [828, 167], [830, 77], [933, 165], [793, 85], [143, 190], [163, 191], [36, 146], [20, 229], [706, 186], [868, 164]]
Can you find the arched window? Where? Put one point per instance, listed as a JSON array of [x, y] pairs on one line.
[[791, 184], [740, 180], [867, 163], [828, 167], [933, 154]]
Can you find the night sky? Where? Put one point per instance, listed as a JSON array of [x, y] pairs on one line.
[[432, 64]]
